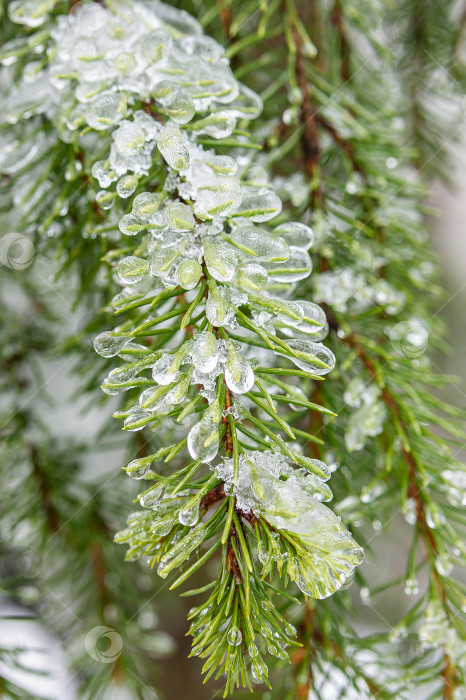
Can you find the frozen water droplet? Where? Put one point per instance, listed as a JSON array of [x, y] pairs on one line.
[[165, 370], [105, 111], [314, 320], [189, 517], [138, 468], [313, 357], [298, 267], [203, 440], [103, 172], [410, 511], [295, 234], [220, 197], [170, 145], [131, 270], [444, 564], [188, 273], [124, 63], [219, 125], [180, 217], [105, 199], [155, 45], [30, 12], [239, 375], [434, 516], [176, 102], [204, 354], [234, 636], [108, 344], [365, 596], [259, 205], [152, 497], [251, 277], [221, 261], [126, 185], [129, 138], [411, 586], [256, 241], [162, 260], [218, 311], [146, 204], [131, 225]]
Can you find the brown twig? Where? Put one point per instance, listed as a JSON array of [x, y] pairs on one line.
[[338, 21], [225, 17]]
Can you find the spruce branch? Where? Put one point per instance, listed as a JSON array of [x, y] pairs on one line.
[[156, 181]]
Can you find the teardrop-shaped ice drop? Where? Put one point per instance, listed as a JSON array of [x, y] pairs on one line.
[[219, 313], [239, 375], [188, 273], [177, 103], [296, 234], [189, 517], [312, 357], [163, 371], [314, 321], [234, 636], [162, 260], [146, 204], [170, 145], [204, 354], [131, 225], [155, 45], [138, 468], [126, 185], [221, 261], [180, 217], [152, 497], [251, 277], [298, 266], [131, 269], [106, 110], [108, 344], [203, 440], [129, 138]]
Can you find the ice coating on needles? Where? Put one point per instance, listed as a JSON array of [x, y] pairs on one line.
[[289, 499], [200, 233]]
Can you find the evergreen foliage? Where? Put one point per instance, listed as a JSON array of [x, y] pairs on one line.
[[167, 172]]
